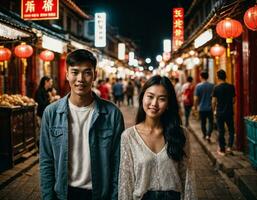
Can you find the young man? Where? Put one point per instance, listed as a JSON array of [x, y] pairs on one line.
[[80, 139], [223, 100], [203, 98]]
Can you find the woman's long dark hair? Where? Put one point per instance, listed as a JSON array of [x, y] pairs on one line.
[[170, 119], [43, 80]]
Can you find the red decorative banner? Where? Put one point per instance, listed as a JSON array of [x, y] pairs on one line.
[[178, 28], [39, 9]]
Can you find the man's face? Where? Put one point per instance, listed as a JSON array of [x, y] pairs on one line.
[[81, 78]]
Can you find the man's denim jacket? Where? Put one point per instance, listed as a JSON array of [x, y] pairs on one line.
[[104, 143]]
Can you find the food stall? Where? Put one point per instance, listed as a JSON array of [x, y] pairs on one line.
[[17, 128]]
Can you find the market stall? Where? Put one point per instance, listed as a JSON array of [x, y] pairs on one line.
[[17, 128]]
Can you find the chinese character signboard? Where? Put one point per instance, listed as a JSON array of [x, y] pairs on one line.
[[100, 29], [39, 9], [178, 28]]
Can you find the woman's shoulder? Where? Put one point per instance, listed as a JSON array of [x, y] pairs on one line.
[[127, 133]]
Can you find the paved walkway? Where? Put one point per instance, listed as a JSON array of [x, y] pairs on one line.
[[210, 183], [236, 165]]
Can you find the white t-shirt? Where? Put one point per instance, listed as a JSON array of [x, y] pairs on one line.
[[79, 154]]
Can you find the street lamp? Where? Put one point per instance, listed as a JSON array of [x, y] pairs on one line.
[[148, 60], [159, 58]]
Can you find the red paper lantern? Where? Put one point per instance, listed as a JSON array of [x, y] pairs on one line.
[[250, 18], [229, 29], [47, 55], [217, 50], [23, 50], [5, 54]]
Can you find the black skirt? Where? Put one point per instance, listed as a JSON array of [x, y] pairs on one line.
[[161, 195]]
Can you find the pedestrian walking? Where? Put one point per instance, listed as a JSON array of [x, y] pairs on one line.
[[130, 93], [109, 86], [188, 98], [203, 98], [155, 155], [223, 100], [80, 139], [104, 91], [117, 90]]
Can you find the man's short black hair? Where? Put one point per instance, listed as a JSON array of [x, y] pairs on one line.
[[190, 79], [221, 74], [80, 56], [204, 74]]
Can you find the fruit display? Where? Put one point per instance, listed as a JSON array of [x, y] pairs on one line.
[[252, 118], [15, 100]]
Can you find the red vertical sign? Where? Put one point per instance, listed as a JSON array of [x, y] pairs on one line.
[[178, 28], [39, 9]]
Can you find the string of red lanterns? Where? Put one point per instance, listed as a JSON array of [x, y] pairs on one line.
[[229, 29]]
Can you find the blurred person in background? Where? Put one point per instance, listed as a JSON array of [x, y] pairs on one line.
[[109, 86], [104, 91], [203, 98], [188, 98], [42, 96], [117, 91], [130, 93], [223, 99]]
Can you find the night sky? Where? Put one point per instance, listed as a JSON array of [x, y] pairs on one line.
[[147, 22]]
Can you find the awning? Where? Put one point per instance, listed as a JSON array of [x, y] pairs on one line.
[[12, 27], [8, 32]]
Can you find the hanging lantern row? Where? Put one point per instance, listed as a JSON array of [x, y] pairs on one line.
[[229, 29], [24, 51]]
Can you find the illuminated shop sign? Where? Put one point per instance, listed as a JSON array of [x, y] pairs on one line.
[[100, 29], [121, 51], [39, 9], [203, 38], [178, 28]]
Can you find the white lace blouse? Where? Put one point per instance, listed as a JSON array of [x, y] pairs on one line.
[[142, 170]]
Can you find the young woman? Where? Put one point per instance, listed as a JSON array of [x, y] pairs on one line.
[[154, 162]]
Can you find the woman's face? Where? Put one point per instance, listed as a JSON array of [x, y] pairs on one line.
[[155, 101], [49, 84]]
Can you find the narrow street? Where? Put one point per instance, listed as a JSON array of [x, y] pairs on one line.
[[210, 184]]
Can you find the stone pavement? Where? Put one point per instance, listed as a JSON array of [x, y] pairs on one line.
[[210, 183], [236, 165]]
